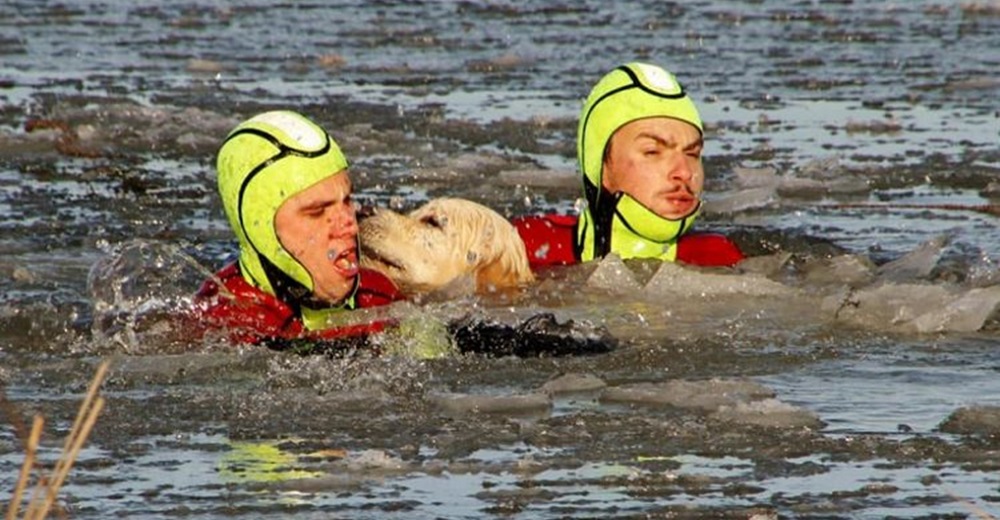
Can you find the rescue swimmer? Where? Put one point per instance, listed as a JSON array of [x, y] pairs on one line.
[[286, 191], [639, 145]]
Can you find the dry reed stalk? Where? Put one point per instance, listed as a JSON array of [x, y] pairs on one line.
[[67, 459], [977, 511], [85, 419], [44, 496], [31, 446], [14, 417]]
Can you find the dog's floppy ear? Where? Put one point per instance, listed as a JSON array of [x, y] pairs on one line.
[[505, 261]]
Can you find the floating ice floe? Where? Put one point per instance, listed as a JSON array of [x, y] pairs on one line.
[[682, 281], [573, 383], [733, 400], [764, 187], [899, 296], [984, 420], [460, 404]]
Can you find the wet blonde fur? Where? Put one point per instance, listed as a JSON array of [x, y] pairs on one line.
[[443, 243]]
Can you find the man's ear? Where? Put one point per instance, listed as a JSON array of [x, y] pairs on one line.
[[606, 168]]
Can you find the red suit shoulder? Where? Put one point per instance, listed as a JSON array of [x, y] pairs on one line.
[[375, 289], [249, 315], [709, 250], [548, 239]]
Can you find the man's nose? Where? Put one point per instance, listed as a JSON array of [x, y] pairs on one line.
[[344, 223], [681, 170]]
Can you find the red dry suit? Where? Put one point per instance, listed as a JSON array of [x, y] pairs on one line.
[[254, 316], [551, 240]]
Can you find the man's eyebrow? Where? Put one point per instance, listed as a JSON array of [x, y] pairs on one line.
[[659, 140], [697, 143], [316, 204]]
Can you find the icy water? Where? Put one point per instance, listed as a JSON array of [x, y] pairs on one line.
[[849, 371]]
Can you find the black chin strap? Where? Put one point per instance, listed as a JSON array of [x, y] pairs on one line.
[[297, 295], [285, 288], [601, 216]]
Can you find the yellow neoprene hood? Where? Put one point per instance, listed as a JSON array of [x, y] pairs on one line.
[[262, 163], [617, 222]]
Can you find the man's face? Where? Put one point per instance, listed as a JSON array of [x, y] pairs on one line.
[[318, 226], [658, 162]]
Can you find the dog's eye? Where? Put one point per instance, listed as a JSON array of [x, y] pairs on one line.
[[434, 221]]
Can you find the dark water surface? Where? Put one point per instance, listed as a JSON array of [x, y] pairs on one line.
[[851, 371]]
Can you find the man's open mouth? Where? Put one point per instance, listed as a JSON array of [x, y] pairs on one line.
[[346, 262]]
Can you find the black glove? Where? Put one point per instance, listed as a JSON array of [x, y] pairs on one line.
[[538, 336]]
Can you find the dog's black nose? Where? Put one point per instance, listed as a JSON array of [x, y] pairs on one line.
[[366, 211]]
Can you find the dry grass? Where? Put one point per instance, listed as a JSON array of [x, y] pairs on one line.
[[43, 497], [973, 509]]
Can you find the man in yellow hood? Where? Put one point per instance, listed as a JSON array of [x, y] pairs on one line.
[[639, 146], [286, 191]]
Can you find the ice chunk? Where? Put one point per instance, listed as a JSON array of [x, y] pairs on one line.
[[915, 264], [984, 420], [967, 313], [614, 276], [850, 270], [769, 412], [756, 177], [741, 200], [573, 383], [767, 265], [676, 280], [820, 177], [707, 395], [375, 459], [892, 305], [539, 178], [460, 404]]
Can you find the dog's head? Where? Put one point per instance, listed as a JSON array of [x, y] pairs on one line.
[[442, 242]]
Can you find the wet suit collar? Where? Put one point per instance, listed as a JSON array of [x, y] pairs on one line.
[[624, 226]]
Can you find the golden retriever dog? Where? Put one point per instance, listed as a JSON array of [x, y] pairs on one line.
[[444, 243]]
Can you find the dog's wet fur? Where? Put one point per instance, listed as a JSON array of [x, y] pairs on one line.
[[446, 244]]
